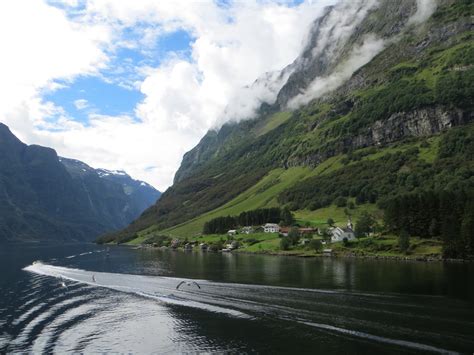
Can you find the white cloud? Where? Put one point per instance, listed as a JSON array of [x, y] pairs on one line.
[[81, 104], [359, 56], [424, 9], [233, 46]]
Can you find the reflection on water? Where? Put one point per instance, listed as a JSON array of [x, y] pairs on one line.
[[246, 303]]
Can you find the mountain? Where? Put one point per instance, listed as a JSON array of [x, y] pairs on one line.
[[112, 193], [45, 197], [378, 105]]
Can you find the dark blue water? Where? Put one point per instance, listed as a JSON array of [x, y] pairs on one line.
[[127, 302]]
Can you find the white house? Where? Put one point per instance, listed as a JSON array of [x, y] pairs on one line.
[[232, 232], [338, 234], [271, 228], [247, 230]]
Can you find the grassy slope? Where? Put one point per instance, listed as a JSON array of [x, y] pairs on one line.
[[261, 195], [271, 123], [319, 217], [265, 192]]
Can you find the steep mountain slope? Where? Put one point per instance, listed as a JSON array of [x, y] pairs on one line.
[[44, 197], [112, 193], [395, 77]]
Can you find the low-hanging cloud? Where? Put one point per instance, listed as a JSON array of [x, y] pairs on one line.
[[424, 10], [359, 56], [335, 32]]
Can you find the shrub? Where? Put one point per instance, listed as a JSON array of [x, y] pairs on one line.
[[285, 243], [315, 245]]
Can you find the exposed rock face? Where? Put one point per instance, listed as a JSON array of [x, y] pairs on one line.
[[419, 123]]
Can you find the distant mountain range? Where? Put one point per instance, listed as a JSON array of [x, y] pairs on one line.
[[378, 105], [46, 197]]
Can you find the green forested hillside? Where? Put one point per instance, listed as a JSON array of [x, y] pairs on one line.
[[400, 124]]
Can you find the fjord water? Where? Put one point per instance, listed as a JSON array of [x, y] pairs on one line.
[[246, 303]]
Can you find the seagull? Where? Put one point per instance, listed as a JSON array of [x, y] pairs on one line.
[[63, 283], [188, 283]]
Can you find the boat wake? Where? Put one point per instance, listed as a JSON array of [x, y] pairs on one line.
[[379, 318]]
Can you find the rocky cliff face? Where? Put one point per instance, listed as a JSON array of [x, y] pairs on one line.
[[418, 123], [44, 197]]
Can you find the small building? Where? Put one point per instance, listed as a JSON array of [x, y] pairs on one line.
[[247, 230], [284, 231], [338, 234], [175, 243], [203, 246], [271, 228], [307, 230], [188, 246], [232, 232]]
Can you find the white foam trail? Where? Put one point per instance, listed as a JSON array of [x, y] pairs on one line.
[[87, 253], [163, 289], [82, 254], [380, 339], [155, 287]]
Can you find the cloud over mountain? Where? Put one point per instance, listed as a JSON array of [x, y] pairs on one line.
[[183, 93]]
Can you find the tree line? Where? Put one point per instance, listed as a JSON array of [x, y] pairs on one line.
[[445, 214], [259, 216]]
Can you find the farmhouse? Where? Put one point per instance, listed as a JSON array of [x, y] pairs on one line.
[[271, 228], [338, 234]]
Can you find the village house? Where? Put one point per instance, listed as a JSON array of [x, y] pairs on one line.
[[247, 230], [338, 234], [232, 232], [307, 230], [271, 228]]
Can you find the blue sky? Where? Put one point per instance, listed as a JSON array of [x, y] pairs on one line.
[[115, 92]]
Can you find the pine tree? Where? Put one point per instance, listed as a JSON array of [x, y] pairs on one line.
[[287, 216]]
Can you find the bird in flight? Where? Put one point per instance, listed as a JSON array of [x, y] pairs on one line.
[[188, 283], [63, 283]]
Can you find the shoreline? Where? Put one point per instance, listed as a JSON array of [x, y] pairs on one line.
[[355, 256], [337, 255]]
